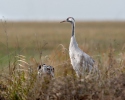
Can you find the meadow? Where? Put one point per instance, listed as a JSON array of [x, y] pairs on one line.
[[25, 45]]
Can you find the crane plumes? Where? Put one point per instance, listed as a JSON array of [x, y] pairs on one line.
[[79, 59]]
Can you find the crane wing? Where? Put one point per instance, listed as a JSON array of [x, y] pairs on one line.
[[86, 61]]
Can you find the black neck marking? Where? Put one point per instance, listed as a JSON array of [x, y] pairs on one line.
[[73, 29]]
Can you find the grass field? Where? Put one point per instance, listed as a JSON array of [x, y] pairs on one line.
[[92, 37], [104, 41]]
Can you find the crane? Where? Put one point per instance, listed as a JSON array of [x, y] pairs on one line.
[[45, 70], [79, 59]]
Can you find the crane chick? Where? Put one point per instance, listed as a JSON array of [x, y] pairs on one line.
[[45, 70], [79, 59]]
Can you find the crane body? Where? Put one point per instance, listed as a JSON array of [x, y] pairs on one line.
[[79, 59]]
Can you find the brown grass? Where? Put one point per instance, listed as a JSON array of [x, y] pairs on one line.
[[92, 34]]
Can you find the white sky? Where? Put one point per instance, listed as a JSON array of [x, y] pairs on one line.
[[61, 9]]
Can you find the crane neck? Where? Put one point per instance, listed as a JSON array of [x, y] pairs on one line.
[[73, 29], [73, 42]]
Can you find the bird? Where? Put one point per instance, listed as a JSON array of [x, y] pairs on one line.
[[44, 70], [80, 61]]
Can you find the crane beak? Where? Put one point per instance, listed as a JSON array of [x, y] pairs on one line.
[[63, 21]]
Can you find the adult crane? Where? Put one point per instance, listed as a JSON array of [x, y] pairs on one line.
[[79, 59]]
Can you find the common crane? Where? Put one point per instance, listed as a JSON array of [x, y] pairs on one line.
[[44, 70], [79, 59]]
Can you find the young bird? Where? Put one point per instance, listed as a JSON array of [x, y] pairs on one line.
[[44, 70]]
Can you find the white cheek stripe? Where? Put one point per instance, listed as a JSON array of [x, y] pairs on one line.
[[70, 19]]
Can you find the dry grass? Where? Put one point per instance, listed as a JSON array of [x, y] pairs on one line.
[[27, 43], [93, 35]]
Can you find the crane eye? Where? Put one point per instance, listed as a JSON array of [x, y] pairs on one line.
[[68, 19]]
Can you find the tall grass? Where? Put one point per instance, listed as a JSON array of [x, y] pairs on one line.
[[105, 83], [48, 43]]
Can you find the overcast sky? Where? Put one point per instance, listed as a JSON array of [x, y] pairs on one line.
[[61, 9]]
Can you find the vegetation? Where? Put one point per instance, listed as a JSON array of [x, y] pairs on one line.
[[25, 45]]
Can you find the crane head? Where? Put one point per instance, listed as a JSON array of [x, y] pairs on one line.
[[69, 19]]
